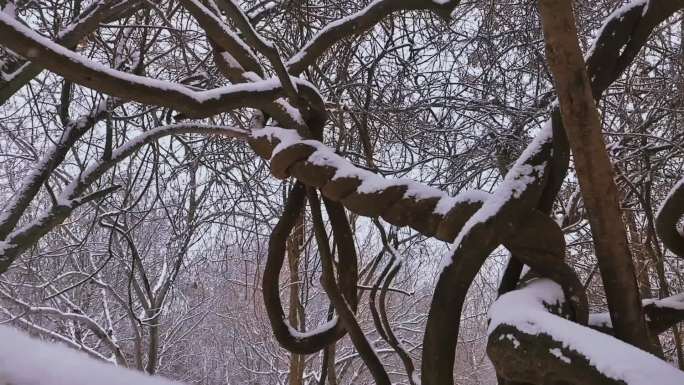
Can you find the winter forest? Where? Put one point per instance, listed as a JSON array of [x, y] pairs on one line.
[[338, 192]]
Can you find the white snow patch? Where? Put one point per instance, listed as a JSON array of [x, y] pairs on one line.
[[511, 338], [559, 353], [320, 329], [27, 361], [600, 320], [675, 302], [469, 196]]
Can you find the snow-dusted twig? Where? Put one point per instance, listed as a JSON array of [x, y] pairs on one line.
[[71, 196], [81, 318], [358, 22], [42, 169]]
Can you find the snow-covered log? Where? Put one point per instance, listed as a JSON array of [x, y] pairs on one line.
[[530, 341]]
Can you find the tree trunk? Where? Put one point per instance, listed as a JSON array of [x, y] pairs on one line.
[[594, 171]]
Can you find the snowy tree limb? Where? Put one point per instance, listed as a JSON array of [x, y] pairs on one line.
[[70, 36]]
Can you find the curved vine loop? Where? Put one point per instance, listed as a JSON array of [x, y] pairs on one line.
[[347, 277]]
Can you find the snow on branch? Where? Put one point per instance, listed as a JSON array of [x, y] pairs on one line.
[[27, 361], [81, 70], [265, 47], [95, 13], [661, 314], [402, 202], [79, 317], [504, 215], [223, 36], [621, 37], [43, 168], [524, 331], [524, 173]]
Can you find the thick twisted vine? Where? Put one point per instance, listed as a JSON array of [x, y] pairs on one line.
[[347, 267], [479, 221], [368, 194], [542, 341], [285, 334], [621, 37], [562, 351], [400, 202], [499, 218], [334, 292], [557, 173], [540, 244]]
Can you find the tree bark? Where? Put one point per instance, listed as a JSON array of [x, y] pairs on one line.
[[594, 171]]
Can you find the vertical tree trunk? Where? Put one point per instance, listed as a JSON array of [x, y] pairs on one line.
[[295, 312], [594, 171], [153, 346], [330, 363]]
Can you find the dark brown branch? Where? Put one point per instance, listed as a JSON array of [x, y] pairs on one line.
[[78, 69], [223, 37], [358, 23], [83, 25]]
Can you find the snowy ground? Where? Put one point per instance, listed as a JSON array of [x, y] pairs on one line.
[[28, 361]]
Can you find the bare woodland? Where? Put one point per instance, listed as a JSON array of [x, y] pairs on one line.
[[346, 192]]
